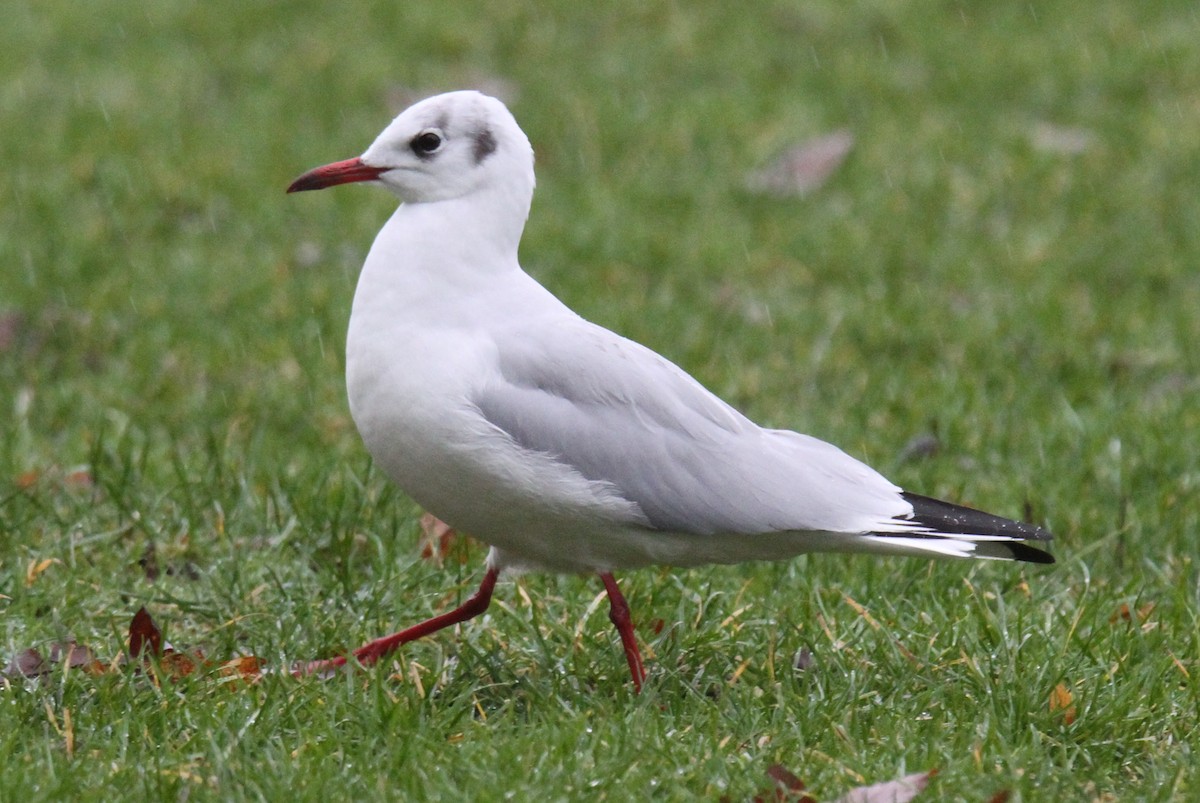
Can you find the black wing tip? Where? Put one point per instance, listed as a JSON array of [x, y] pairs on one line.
[[949, 518], [1028, 554]]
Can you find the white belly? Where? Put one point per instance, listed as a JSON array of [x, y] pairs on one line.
[[416, 419]]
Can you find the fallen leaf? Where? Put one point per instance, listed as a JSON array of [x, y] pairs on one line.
[[36, 567], [27, 663], [79, 478], [436, 538], [27, 479], [144, 636], [901, 790], [247, 667], [1060, 700], [787, 785], [159, 659], [1000, 797], [76, 656], [804, 660], [146, 642], [803, 168], [1125, 613], [30, 663], [177, 665]]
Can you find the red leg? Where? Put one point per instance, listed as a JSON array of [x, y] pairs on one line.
[[618, 613], [371, 652]]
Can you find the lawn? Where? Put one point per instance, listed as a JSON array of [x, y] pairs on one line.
[[1004, 271]]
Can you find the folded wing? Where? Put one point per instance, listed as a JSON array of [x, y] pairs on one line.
[[616, 412]]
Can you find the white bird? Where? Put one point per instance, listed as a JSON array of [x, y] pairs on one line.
[[562, 445]]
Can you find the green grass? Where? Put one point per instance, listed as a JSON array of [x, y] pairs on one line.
[[175, 329]]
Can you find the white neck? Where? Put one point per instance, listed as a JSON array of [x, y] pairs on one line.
[[450, 242], [443, 260]]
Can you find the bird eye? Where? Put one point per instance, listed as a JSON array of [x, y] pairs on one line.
[[426, 143]]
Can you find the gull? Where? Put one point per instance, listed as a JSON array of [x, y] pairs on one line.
[[562, 445]]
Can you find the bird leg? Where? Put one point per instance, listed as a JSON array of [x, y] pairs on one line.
[[618, 614], [372, 651]]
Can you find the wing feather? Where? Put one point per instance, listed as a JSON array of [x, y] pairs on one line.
[[616, 412]]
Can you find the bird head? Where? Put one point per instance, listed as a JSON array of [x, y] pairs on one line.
[[445, 147]]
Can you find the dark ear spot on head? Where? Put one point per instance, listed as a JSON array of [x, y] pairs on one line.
[[485, 145]]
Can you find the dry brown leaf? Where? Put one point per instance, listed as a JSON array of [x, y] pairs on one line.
[[145, 639], [1061, 699], [900, 790], [27, 479], [247, 667], [803, 661], [76, 656], [76, 478], [786, 786], [803, 168], [146, 643], [30, 663], [27, 663], [1125, 613], [1122, 612], [36, 567], [437, 537], [79, 478], [1143, 613], [178, 665]]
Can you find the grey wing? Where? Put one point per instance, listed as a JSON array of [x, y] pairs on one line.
[[618, 413]]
